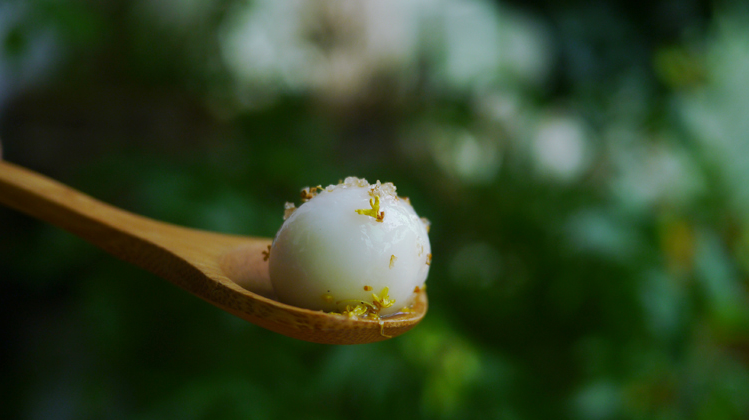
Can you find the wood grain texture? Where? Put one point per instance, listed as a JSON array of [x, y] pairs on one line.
[[227, 271]]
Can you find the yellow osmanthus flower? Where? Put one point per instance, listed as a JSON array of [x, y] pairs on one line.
[[382, 301], [356, 311], [370, 310], [374, 211], [310, 193]]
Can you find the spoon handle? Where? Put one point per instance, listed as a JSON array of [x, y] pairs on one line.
[[167, 250], [62, 206], [43, 198], [155, 246]]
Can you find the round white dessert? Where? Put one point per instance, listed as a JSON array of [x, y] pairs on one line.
[[347, 245]]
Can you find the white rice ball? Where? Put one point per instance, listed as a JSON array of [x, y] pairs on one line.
[[353, 248]]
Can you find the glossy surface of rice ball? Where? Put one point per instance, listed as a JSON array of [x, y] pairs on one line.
[[354, 248]]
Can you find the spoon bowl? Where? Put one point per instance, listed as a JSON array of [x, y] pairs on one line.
[[228, 271]]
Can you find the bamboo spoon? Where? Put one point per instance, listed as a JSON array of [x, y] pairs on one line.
[[225, 270]]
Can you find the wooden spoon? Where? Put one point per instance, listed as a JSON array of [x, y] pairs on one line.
[[226, 270]]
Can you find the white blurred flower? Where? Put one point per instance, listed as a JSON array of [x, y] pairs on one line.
[[561, 147], [717, 113], [332, 47], [526, 48], [338, 48], [471, 158], [474, 43], [470, 41], [652, 174], [505, 107]]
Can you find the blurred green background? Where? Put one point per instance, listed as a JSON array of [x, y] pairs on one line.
[[585, 166]]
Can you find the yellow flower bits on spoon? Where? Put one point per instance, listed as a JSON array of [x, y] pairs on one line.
[[354, 248]]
